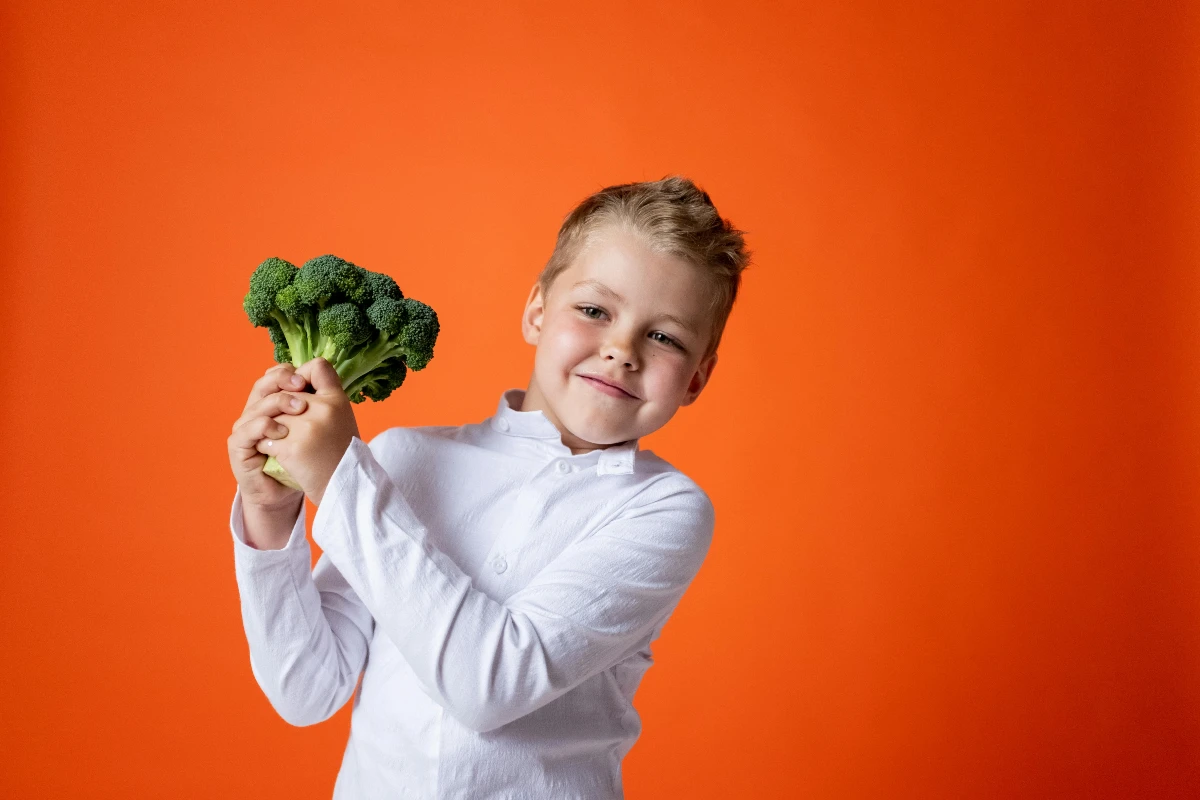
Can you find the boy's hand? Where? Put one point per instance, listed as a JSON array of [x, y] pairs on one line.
[[316, 439], [267, 401]]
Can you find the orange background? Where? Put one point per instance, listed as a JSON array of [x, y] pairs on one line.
[[952, 439]]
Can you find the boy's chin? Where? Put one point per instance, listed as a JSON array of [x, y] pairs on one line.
[[590, 436]]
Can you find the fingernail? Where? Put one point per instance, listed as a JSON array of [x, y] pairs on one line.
[[295, 403], [297, 380]]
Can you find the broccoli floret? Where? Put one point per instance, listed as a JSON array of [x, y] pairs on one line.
[[323, 278], [357, 320], [419, 333], [412, 321], [343, 326], [387, 315], [379, 285], [271, 277]]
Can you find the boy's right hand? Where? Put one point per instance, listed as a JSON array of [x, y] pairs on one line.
[[272, 395]]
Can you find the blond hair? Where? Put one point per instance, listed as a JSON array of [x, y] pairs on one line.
[[672, 216]]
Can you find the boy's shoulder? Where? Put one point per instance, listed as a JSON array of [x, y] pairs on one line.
[[398, 440], [418, 435]]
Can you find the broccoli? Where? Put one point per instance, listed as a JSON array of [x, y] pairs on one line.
[[357, 320]]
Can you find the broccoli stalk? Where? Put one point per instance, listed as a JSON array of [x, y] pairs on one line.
[[357, 320]]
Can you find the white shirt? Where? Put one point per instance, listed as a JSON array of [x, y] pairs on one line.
[[502, 594]]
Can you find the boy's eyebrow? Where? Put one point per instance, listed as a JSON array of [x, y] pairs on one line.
[[592, 283]]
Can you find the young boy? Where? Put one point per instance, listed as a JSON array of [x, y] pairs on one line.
[[501, 582]]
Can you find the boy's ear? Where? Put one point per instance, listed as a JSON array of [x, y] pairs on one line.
[[700, 380], [531, 320]]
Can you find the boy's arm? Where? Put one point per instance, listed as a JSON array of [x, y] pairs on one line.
[[307, 631], [489, 663]]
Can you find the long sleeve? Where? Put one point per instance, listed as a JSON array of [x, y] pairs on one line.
[[488, 663], [307, 631]]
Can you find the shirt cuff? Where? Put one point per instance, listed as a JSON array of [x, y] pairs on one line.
[[245, 551]]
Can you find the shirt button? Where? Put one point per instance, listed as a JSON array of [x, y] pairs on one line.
[[499, 565], [502, 424], [564, 467]]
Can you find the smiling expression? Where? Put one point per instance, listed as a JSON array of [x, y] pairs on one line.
[[630, 316]]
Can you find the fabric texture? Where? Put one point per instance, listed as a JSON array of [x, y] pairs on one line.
[[498, 596]]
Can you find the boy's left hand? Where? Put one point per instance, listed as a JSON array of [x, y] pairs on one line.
[[316, 439]]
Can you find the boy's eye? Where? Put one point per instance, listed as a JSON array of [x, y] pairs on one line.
[[665, 339], [668, 340]]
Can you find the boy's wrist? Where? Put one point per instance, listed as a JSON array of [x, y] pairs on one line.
[[290, 506], [270, 527]]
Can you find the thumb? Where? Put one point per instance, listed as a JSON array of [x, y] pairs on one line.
[[323, 377]]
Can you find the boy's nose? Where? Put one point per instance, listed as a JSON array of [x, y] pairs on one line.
[[618, 353]]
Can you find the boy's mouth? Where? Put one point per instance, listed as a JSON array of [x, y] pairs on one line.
[[608, 388]]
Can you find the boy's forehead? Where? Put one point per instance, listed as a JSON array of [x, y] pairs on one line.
[[618, 260]]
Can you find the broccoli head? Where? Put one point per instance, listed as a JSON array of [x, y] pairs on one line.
[[357, 320]]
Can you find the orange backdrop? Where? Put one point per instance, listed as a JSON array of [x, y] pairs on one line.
[[952, 439]]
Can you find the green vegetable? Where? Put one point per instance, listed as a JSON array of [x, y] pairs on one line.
[[357, 320]]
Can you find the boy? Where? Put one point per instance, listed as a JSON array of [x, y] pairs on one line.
[[501, 582]]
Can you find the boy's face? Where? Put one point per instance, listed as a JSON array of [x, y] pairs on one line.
[[582, 330]]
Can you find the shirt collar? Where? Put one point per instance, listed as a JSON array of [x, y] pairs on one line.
[[615, 460]]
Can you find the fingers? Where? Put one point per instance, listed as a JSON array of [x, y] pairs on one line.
[[245, 438], [273, 405], [266, 447], [278, 377], [323, 377]]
